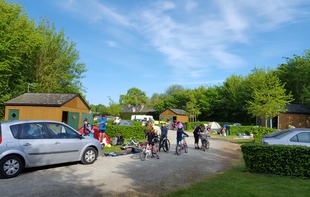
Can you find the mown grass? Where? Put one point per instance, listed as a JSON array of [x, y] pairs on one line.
[[236, 182]]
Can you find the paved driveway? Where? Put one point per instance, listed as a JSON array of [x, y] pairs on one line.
[[125, 176]]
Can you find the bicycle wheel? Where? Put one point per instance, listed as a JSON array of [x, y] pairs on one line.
[[161, 146], [166, 145], [208, 144], [178, 149], [185, 148], [204, 144], [143, 154], [156, 146]]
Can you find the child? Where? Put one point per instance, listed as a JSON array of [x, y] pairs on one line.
[[180, 133]]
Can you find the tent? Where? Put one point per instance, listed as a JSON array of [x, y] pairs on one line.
[[214, 126]]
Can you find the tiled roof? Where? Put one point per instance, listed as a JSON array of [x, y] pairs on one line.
[[43, 99], [178, 111], [298, 109]]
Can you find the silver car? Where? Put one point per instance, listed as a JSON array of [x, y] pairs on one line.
[[295, 136], [33, 143]]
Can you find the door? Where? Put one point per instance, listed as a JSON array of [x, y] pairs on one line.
[[13, 114], [67, 143], [74, 119], [34, 142]]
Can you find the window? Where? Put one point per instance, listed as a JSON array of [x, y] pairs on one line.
[[28, 131], [62, 131], [303, 137]]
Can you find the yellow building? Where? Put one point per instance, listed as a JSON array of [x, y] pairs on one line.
[[171, 115], [68, 108]]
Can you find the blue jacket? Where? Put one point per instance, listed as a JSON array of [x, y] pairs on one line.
[[102, 126], [180, 132]]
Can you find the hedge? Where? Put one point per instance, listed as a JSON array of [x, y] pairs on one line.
[[277, 159]]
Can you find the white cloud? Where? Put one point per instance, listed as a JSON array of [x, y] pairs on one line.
[[195, 38]]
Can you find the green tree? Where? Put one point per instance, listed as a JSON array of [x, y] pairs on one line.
[[174, 89], [56, 66], [295, 74], [35, 58], [113, 109], [269, 95], [134, 97], [17, 34]]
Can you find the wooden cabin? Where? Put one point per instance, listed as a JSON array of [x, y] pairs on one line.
[[297, 115], [172, 115], [68, 108]]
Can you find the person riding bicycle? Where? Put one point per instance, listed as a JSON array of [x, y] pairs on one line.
[[151, 137], [180, 133]]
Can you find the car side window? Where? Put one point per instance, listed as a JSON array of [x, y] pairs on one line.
[[61, 131], [28, 131], [303, 137]]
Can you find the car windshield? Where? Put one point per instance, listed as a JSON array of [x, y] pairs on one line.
[[282, 134]]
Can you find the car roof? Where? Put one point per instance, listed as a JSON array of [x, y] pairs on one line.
[[25, 121], [275, 134]]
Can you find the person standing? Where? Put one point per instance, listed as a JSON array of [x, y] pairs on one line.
[[102, 127], [150, 136], [197, 132], [86, 128]]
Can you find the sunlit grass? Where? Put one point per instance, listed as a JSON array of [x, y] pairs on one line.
[[236, 182]]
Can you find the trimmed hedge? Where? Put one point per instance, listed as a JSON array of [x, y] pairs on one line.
[[277, 159], [127, 132]]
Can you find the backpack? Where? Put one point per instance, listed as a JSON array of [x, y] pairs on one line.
[[120, 140]]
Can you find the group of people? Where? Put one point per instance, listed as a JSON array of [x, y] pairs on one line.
[[151, 134]]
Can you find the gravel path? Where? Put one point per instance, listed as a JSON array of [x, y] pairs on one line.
[[125, 176]]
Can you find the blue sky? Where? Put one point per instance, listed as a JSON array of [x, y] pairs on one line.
[[153, 44]]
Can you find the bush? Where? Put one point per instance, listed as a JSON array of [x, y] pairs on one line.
[[277, 159], [126, 131]]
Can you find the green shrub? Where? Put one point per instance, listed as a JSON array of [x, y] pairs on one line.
[[126, 131], [277, 159]]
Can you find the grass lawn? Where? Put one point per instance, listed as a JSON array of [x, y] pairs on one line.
[[237, 182], [240, 183]]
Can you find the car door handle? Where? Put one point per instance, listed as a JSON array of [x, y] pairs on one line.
[[27, 144], [57, 143]]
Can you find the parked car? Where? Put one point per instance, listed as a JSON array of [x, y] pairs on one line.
[[33, 143], [294, 136]]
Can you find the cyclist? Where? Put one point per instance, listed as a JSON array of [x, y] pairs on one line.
[[180, 133], [151, 137]]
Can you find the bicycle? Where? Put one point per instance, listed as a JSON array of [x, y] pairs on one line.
[[131, 143], [205, 144], [165, 144], [147, 151], [182, 146]]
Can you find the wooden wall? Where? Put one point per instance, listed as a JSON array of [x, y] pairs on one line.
[[297, 120]]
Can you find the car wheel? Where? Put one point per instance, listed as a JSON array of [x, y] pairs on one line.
[[11, 166], [89, 155]]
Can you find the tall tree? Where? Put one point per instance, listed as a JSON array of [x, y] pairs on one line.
[[113, 109], [17, 34], [134, 97], [269, 95], [35, 58], [295, 74], [174, 89]]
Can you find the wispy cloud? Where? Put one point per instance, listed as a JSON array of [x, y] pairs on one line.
[[195, 36]]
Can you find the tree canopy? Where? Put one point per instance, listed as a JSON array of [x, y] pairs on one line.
[[35, 58]]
